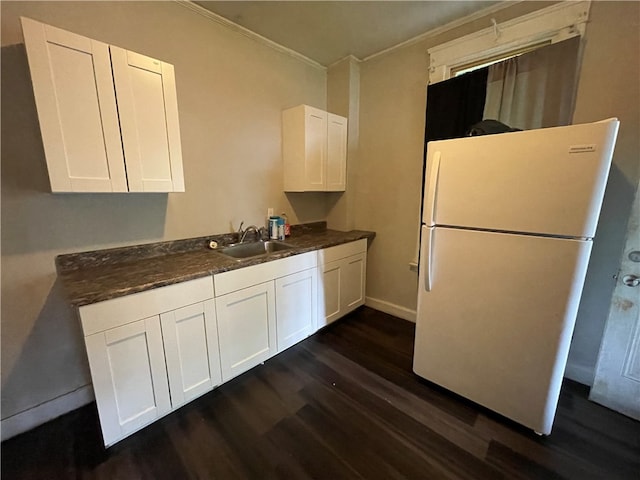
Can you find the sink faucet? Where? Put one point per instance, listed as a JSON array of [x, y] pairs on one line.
[[248, 229]]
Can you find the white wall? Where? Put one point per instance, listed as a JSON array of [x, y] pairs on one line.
[[343, 98], [392, 107], [392, 120], [231, 91], [609, 87]]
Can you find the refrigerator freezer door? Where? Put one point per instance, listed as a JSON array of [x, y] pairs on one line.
[[547, 181], [497, 323]]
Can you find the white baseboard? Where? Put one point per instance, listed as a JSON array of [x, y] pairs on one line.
[[28, 419], [391, 309], [579, 373]]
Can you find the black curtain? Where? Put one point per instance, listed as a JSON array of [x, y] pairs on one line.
[[454, 105]]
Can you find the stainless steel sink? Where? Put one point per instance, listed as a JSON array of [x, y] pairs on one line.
[[241, 251]]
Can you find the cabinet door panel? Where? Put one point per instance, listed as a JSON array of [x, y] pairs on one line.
[[342, 283], [330, 290], [246, 328], [74, 94], [148, 117], [129, 377], [336, 153], [191, 347], [316, 148], [296, 307], [353, 274]]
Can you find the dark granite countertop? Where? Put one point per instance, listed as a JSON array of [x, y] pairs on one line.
[[91, 277]]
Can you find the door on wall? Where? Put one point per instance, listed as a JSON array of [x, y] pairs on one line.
[[617, 378]]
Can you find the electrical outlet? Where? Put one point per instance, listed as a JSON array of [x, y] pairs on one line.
[[270, 212]]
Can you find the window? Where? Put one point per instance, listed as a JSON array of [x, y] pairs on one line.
[[500, 41]]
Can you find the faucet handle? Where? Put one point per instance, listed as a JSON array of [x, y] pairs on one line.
[[240, 227]]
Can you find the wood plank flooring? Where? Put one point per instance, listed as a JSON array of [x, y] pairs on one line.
[[342, 404]]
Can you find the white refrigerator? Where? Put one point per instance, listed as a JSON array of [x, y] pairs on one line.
[[507, 228]]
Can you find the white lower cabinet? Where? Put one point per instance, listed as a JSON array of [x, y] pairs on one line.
[[149, 353], [263, 309], [247, 328], [296, 307], [341, 288]]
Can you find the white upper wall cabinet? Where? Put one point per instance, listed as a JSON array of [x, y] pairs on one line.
[[314, 150], [99, 137]]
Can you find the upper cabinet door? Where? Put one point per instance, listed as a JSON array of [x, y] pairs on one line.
[[315, 134], [74, 95], [336, 153], [148, 110]]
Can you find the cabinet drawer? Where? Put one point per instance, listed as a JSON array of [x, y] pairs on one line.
[[332, 254], [102, 316], [228, 282]]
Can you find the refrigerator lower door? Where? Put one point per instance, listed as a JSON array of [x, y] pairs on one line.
[[496, 323]]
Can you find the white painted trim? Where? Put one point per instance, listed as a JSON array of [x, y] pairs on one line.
[[446, 27], [579, 373], [248, 33], [556, 23], [391, 308], [345, 59], [33, 417]]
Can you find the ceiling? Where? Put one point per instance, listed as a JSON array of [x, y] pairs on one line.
[[329, 31]]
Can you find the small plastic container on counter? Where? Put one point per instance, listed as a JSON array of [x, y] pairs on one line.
[[273, 227]]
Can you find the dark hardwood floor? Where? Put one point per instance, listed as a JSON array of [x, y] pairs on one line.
[[342, 404]]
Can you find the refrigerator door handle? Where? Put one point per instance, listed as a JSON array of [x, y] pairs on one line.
[[425, 255], [433, 171]]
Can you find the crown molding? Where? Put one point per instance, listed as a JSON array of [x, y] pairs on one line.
[[349, 57], [188, 4]]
